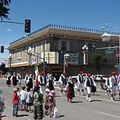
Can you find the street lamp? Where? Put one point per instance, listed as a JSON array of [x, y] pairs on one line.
[[106, 37], [85, 54], [30, 60], [30, 55], [66, 56], [36, 61]]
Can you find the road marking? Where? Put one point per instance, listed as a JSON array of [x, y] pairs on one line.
[[24, 116], [115, 116]]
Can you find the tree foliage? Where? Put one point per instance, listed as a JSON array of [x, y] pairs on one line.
[[5, 2], [3, 68], [4, 10], [99, 60]]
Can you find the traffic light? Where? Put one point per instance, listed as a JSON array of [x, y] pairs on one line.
[[27, 25], [4, 11], [2, 49]]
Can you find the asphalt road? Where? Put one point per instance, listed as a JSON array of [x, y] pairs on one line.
[[101, 108]]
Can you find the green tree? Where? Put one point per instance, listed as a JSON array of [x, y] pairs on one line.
[[3, 68], [4, 10], [99, 60], [5, 2]]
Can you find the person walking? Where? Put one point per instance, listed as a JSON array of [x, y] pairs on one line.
[[90, 86], [42, 81], [38, 104], [52, 103], [19, 78], [81, 83], [26, 79], [70, 90], [50, 82], [8, 82], [62, 82], [14, 79], [30, 81], [107, 86], [118, 82], [46, 101], [15, 102], [113, 85]]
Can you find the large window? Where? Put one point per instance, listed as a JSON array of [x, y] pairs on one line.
[[64, 45]]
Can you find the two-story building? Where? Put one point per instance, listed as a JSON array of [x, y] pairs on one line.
[[56, 46]]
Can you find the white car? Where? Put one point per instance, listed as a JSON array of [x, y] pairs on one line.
[[100, 77]]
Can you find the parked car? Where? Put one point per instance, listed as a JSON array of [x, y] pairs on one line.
[[99, 77]]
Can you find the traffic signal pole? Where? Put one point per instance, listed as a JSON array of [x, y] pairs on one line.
[[27, 24], [27, 29], [12, 22]]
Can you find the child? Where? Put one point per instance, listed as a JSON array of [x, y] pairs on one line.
[[47, 91], [52, 103], [23, 98], [29, 99], [15, 102]]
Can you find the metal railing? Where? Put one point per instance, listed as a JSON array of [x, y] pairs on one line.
[[64, 27]]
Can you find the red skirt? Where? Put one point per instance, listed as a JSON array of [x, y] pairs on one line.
[[68, 94]]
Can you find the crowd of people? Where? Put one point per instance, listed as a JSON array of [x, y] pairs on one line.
[[85, 85], [40, 92]]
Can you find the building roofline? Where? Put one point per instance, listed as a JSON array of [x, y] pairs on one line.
[[63, 27]]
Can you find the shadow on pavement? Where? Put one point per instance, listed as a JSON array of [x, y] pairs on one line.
[[77, 102], [3, 116], [61, 116], [117, 100], [22, 115], [96, 100]]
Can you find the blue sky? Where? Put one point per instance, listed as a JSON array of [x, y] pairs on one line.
[[79, 13]]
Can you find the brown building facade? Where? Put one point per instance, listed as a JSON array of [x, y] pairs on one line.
[[54, 46]]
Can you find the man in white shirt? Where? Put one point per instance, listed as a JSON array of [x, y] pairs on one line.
[[113, 85], [89, 83], [63, 82]]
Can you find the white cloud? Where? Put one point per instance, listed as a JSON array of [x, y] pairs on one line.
[[9, 30]]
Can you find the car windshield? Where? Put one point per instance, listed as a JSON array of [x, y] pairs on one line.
[[104, 76]]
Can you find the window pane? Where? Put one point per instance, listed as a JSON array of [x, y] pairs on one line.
[[64, 45]]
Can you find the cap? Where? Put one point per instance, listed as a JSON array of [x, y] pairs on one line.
[[81, 71], [89, 74]]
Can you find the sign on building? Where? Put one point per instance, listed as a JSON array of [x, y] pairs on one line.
[[73, 58]]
